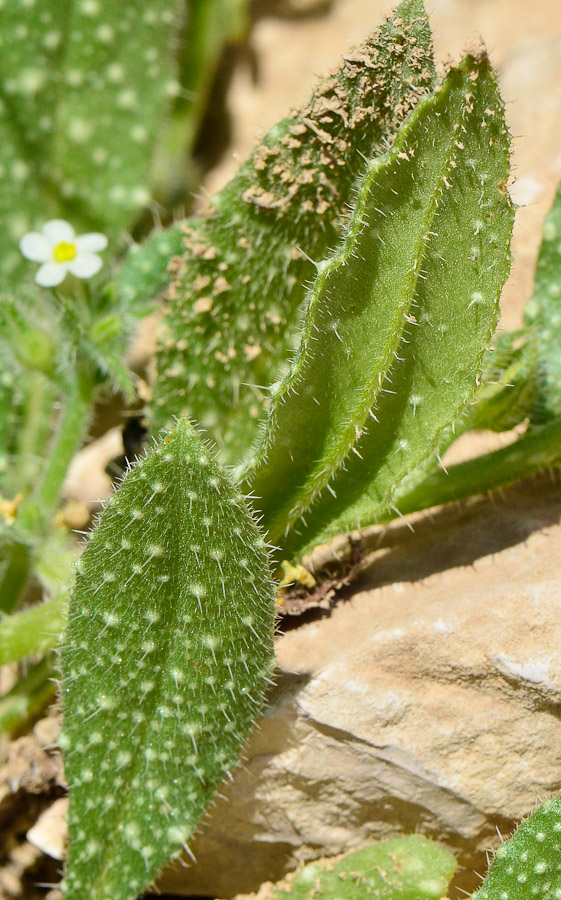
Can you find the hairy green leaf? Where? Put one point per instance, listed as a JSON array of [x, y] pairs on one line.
[[415, 289], [28, 97], [124, 48], [233, 307], [527, 865], [543, 312], [165, 661], [505, 397], [409, 868]]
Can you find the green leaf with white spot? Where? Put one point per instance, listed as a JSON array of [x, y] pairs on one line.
[[83, 88], [233, 309], [118, 80], [543, 313], [526, 867], [398, 321], [31, 54], [165, 661], [408, 868]]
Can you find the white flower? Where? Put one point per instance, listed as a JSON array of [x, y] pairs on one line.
[[60, 252]]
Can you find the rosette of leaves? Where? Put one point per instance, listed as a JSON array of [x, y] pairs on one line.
[[169, 643]]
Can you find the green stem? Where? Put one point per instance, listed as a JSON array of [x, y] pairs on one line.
[[69, 436], [15, 573], [37, 420], [208, 29], [538, 449], [34, 631], [27, 698], [6, 420]]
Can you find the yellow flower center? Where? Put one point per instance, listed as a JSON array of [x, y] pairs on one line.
[[64, 252]]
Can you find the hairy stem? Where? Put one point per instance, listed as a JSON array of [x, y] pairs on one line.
[[73, 423], [29, 696], [39, 396], [34, 631], [539, 449], [14, 575]]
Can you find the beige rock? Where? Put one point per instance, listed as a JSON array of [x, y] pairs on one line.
[[47, 731], [50, 831], [87, 481], [429, 703], [30, 778]]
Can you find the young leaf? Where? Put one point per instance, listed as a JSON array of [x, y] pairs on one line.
[[29, 334], [399, 319], [508, 390], [526, 867], [408, 868], [16, 561], [233, 306], [31, 430], [7, 410], [543, 312], [165, 661], [28, 697], [144, 272]]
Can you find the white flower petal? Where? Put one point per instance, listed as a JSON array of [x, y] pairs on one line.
[[50, 274], [91, 243], [35, 246], [85, 265], [57, 230]]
